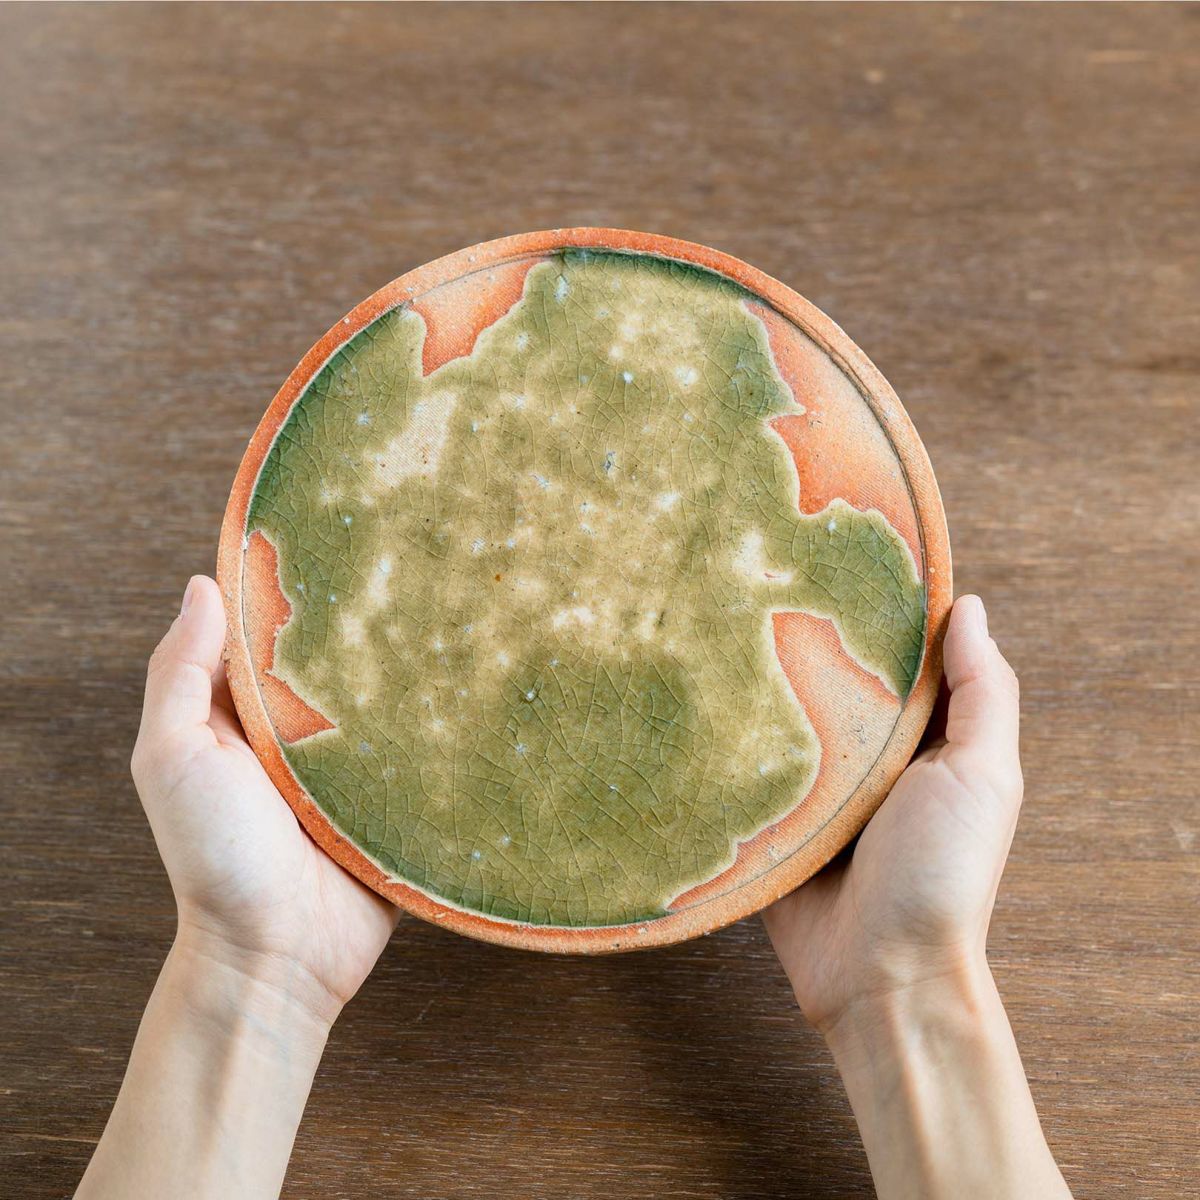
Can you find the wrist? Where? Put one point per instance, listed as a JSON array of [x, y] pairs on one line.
[[937, 1087], [242, 990], [958, 1000], [217, 1081]]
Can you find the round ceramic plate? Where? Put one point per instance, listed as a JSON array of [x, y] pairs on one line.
[[583, 590]]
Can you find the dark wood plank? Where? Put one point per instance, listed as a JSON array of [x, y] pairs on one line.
[[999, 204]]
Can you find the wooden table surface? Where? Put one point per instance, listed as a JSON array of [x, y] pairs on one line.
[[998, 203]]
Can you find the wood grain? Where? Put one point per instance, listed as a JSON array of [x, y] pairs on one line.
[[998, 203]]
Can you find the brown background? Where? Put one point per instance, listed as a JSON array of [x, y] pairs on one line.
[[998, 204]]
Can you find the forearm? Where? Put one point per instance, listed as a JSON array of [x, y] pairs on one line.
[[941, 1098], [216, 1084]]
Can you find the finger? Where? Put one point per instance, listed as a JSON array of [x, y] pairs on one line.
[[179, 679], [223, 719], [222, 697], [983, 715], [935, 731]]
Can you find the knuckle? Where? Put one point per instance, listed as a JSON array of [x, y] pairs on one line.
[[1010, 783], [154, 763], [1006, 678]]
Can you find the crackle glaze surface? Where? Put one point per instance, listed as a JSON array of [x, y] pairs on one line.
[[581, 589]]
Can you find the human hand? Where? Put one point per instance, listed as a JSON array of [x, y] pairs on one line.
[[274, 937], [910, 905], [253, 891]]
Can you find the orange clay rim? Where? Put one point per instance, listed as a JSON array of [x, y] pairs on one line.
[[823, 843]]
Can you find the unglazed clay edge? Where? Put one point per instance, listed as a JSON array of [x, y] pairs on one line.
[[836, 831]]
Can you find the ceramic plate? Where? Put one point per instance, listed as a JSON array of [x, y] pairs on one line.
[[583, 590]]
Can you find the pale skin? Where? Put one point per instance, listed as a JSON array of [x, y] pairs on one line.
[[885, 951]]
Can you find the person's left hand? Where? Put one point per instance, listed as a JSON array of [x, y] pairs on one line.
[[252, 889]]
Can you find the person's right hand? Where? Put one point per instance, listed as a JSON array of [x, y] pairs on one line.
[[910, 905], [253, 890]]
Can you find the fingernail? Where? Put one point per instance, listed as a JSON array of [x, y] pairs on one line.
[[981, 617], [187, 597]]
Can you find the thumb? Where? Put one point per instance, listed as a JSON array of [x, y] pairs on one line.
[[983, 716], [179, 679]]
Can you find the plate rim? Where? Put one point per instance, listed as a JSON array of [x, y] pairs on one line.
[[743, 899]]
